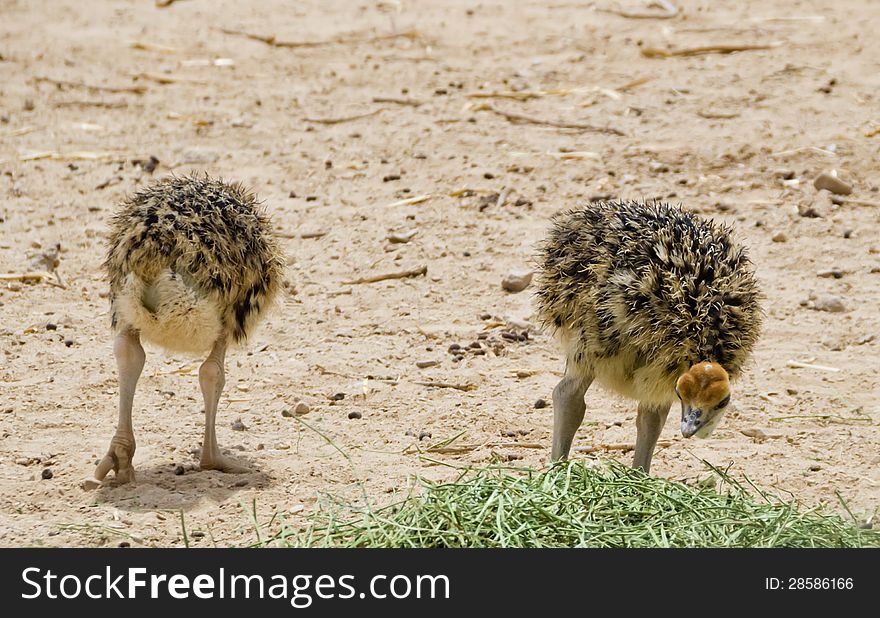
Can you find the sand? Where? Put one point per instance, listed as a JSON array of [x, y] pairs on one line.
[[369, 119]]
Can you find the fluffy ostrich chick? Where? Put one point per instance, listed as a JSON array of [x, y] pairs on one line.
[[193, 265], [654, 304]]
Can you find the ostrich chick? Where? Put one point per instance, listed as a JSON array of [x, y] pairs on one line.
[[653, 303], [192, 266]]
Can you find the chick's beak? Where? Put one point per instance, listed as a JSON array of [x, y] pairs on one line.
[[691, 420]]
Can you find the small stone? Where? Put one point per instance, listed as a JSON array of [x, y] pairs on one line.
[[301, 408], [784, 173], [517, 281], [831, 182], [485, 316], [779, 237], [401, 237], [791, 391], [541, 403], [866, 525], [865, 339], [260, 446], [197, 534], [423, 435], [390, 177], [23, 461], [337, 396], [51, 326], [847, 233], [354, 414], [829, 273], [287, 413], [454, 348], [815, 467], [237, 425], [241, 483], [179, 471], [124, 544], [68, 341], [424, 364], [831, 304], [46, 474]]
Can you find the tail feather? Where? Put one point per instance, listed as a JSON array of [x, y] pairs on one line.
[[169, 312]]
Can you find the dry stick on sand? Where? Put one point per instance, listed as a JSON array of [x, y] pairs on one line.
[[520, 118], [669, 11], [104, 104], [397, 101], [344, 118], [458, 387], [169, 79], [654, 52], [403, 274], [61, 84], [269, 39], [615, 447]]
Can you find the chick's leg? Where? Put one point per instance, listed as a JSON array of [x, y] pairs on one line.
[[649, 424], [129, 363], [568, 410], [211, 380]]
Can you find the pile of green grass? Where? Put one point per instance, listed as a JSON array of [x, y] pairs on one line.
[[573, 505]]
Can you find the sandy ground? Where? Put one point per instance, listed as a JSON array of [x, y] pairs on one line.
[[739, 137]]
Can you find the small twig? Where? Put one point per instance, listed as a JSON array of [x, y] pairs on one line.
[[654, 52], [344, 118], [458, 387], [799, 365], [31, 276], [717, 115], [152, 47], [169, 79], [517, 118], [71, 156], [633, 84], [397, 101], [161, 4], [816, 149], [615, 447], [269, 39], [403, 274], [857, 202], [524, 95], [418, 199], [669, 11], [62, 83], [104, 104]]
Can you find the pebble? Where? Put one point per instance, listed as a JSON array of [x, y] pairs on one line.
[[241, 483], [830, 272], [23, 461], [424, 364], [237, 425], [779, 237], [197, 534], [46, 474], [791, 391], [68, 341], [866, 525], [423, 435], [401, 237], [355, 414], [454, 348], [815, 467], [784, 173], [831, 304], [831, 183], [541, 403], [179, 471], [337, 397], [287, 413], [124, 544], [51, 326], [517, 281], [301, 408]]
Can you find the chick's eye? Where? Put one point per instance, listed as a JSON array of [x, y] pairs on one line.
[[723, 402]]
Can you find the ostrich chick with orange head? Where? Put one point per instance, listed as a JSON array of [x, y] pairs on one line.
[[653, 303]]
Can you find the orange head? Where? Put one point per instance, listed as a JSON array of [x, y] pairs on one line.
[[704, 392]]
